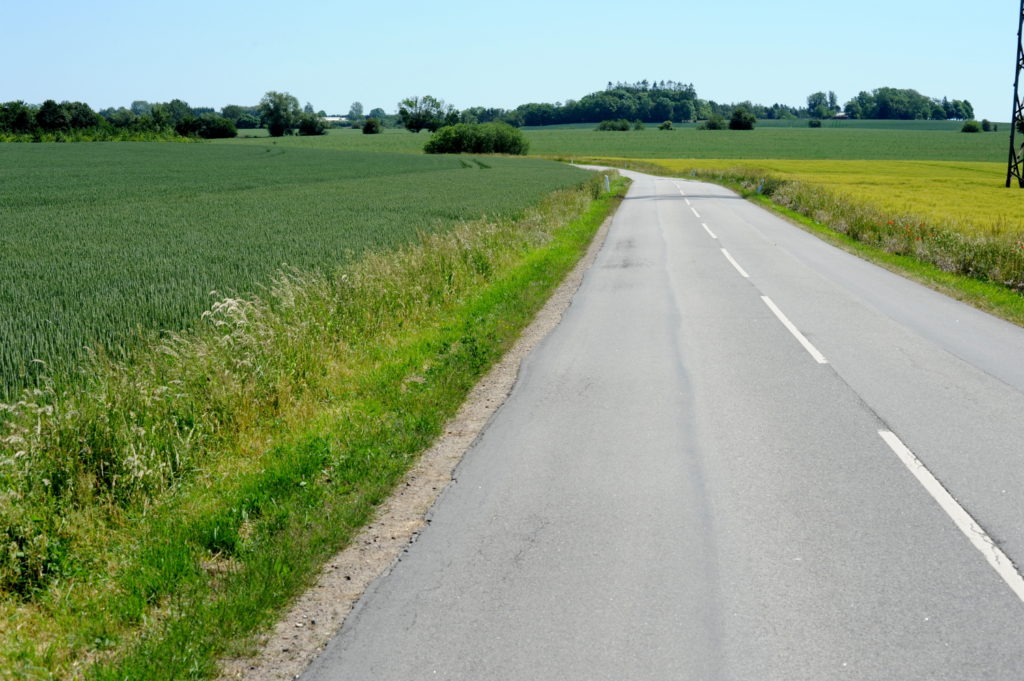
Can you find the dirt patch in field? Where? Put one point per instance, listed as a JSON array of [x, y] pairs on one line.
[[317, 615]]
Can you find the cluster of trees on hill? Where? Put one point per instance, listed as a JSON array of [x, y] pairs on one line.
[[887, 102], [646, 101]]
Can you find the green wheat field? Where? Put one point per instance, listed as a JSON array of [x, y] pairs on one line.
[[103, 241]]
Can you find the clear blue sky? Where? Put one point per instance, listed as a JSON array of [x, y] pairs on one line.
[[503, 53]]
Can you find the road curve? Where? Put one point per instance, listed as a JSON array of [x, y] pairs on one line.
[[742, 455]]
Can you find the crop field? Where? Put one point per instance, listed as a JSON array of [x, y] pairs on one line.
[[774, 143], [912, 168], [969, 195], [103, 241], [848, 140]]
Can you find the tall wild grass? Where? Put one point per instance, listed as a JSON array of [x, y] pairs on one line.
[[994, 257]]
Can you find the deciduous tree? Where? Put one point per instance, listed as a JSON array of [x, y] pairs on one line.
[[52, 117], [280, 112], [427, 112]]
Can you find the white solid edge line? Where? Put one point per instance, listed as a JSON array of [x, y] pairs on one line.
[[735, 264], [695, 212], [999, 561], [818, 357], [708, 230]]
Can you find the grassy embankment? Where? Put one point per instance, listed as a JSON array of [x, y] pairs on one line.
[[163, 506]]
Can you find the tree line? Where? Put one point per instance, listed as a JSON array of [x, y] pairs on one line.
[[280, 113], [654, 101], [77, 121]]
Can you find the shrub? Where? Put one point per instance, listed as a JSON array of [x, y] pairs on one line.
[[814, 123], [311, 124], [474, 138], [986, 125], [971, 126], [372, 126], [666, 125], [618, 124], [208, 126], [187, 127], [716, 122], [638, 125], [212, 126], [742, 119]]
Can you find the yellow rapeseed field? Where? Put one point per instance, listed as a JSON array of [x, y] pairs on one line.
[[970, 196]]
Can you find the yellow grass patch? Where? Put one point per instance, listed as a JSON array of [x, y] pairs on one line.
[[970, 196]]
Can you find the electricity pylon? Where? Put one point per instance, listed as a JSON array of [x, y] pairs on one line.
[[1016, 165]]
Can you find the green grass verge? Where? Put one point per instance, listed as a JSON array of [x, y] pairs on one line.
[[339, 383]]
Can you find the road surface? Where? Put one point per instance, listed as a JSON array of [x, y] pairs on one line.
[[742, 455]]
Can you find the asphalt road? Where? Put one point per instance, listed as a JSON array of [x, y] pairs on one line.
[[681, 486]]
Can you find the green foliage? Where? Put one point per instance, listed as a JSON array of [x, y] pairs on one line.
[[715, 122], [970, 126], [311, 124], [638, 124], [16, 118], [82, 116], [665, 125], [986, 125], [248, 121], [372, 126], [620, 124], [426, 113], [482, 138], [52, 117], [742, 119], [644, 100], [905, 104], [175, 110], [814, 123], [207, 126], [234, 112], [280, 112], [213, 126]]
